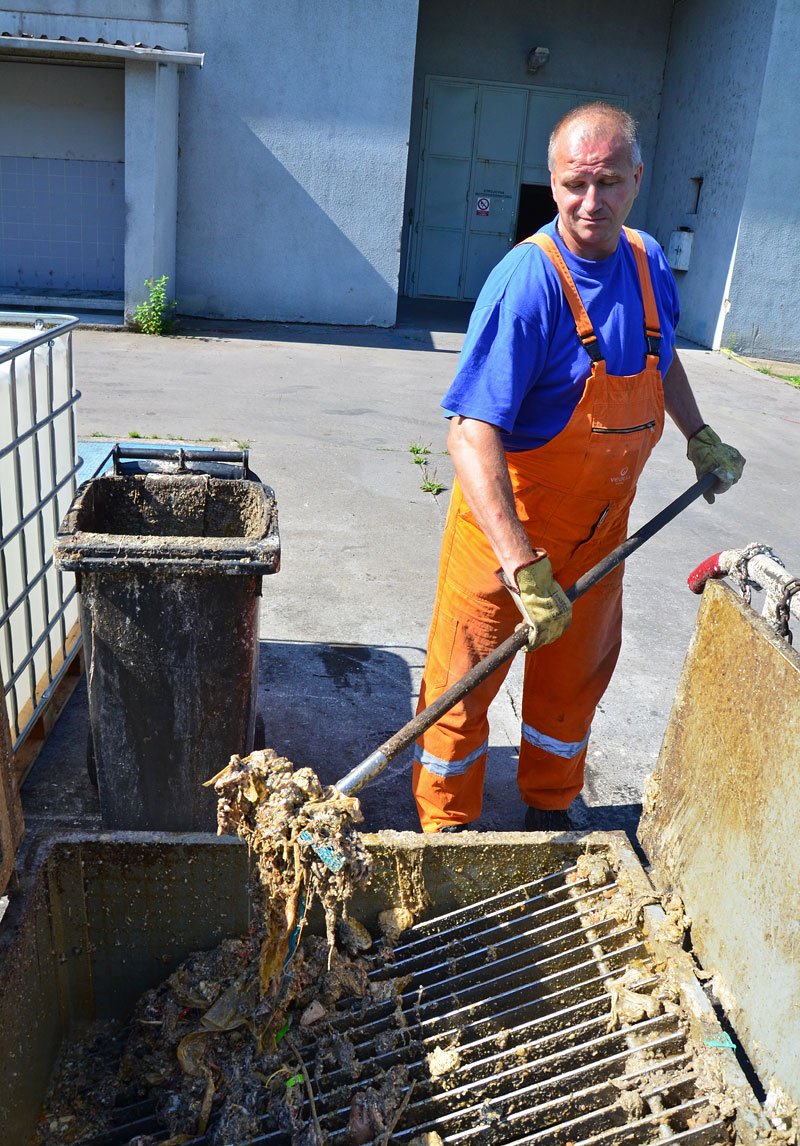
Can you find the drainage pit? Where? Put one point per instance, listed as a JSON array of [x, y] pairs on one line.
[[543, 997]]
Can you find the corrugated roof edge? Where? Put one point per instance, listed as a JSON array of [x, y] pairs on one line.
[[26, 42]]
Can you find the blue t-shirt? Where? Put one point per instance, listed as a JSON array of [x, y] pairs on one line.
[[522, 366]]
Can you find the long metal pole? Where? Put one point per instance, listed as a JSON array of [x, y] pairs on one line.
[[375, 763]]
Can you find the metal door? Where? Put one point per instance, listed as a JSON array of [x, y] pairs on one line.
[[492, 205], [480, 142], [469, 184], [445, 183]]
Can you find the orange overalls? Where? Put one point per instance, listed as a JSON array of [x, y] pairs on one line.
[[573, 495]]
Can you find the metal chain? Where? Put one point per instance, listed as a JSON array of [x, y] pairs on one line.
[[739, 571], [784, 607]]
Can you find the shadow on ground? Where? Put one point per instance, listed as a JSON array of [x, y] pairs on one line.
[[58, 793], [329, 706], [325, 706], [417, 320]]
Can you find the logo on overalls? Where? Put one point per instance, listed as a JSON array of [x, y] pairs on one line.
[[623, 476]]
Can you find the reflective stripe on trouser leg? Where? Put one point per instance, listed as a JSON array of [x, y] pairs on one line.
[[563, 685], [468, 624]]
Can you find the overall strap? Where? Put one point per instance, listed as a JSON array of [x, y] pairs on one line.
[[652, 326], [583, 323]]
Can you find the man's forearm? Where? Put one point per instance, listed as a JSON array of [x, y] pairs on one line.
[[481, 468], [679, 400]]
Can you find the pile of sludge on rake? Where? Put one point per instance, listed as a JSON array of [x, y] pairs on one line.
[[214, 1046]]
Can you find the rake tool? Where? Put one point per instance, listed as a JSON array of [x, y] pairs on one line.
[[358, 777]]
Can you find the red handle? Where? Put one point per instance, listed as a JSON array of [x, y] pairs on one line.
[[705, 571]]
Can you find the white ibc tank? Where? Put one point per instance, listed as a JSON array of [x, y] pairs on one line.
[[38, 462]]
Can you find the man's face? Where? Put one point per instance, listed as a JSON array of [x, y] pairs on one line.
[[594, 185]]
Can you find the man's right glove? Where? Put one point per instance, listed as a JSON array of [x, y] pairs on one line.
[[708, 454], [541, 600]]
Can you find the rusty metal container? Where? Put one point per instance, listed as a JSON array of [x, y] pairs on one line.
[[169, 570]]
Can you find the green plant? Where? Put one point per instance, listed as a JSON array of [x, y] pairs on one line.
[[98, 434], [429, 481], [154, 316], [793, 378], [419, 456], [134, 434], [418, 453]]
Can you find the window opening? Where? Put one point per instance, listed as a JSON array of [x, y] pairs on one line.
[[694, 196]]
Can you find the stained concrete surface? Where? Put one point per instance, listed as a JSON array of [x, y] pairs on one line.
[[329, 415]]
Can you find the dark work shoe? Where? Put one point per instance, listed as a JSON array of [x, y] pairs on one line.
[[456, 828], [541, 820]]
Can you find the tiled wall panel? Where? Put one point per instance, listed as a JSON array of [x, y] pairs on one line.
[[62, 224]]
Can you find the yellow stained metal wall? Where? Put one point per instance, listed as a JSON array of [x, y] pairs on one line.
[[720, 823]]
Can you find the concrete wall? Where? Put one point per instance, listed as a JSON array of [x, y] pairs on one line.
[[137, 21], [621, 53], [293, 142], [151, 181], [299, 142], [62, 112], [764, 318], [293, 145], [712, 92]]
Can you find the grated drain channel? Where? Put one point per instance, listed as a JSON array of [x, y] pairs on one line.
[[518, 987]]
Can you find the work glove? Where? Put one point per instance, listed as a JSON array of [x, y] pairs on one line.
[[541, 600], [710, 455]]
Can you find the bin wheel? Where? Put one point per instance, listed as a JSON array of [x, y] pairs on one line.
[[91, 762], [259, 734]]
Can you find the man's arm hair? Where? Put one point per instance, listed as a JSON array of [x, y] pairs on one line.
[[679, 399]]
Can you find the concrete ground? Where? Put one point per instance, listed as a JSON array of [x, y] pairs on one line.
[[329, 416]]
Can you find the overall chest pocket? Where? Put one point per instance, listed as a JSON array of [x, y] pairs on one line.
[[621, 444], [651, 425]]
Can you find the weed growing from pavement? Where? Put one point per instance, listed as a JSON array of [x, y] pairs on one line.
[[418, 453], [155, 314], [419, 456], [429, 482], [793, 378]]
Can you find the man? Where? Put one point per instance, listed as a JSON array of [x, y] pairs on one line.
[[567, 369]]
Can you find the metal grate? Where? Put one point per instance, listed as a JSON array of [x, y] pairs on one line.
[[520, 983]]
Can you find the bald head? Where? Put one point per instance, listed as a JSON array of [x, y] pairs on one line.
[[593, 121], [595, 173]]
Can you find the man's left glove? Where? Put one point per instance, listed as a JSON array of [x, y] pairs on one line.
[[708, 454]]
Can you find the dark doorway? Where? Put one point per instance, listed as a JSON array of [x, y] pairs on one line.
[[536, 207]]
